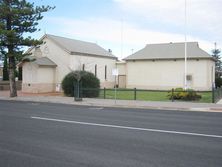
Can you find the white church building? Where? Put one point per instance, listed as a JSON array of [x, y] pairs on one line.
[[51, 61]]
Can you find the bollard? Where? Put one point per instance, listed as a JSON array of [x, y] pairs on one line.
[[172, 95]]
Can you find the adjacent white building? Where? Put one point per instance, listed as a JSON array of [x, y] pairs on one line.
[[45, 68], [161, 67]]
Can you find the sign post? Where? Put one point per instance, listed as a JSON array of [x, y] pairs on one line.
[[115, 73]]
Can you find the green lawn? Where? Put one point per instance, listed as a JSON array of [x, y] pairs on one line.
[[149, 95], [206, 97]]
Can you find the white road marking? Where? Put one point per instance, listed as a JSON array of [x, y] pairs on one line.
[[35, 104], [96, 108], [127, 127]]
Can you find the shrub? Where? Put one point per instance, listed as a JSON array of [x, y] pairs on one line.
[[181, 94], [89, 84]]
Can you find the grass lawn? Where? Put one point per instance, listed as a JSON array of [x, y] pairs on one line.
[[206, 97], [149, 95]]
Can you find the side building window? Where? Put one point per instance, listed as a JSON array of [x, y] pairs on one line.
[[189, 81], [105, 72], [189, 77], [96, 70]]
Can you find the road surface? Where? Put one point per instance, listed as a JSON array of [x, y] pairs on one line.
[[55, 135]]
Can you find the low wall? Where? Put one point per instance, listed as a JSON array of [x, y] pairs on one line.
[[4, 85], [107, 84], [38, 88]]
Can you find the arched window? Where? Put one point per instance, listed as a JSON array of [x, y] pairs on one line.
[[105, 72], [83, 67], [96, 70]]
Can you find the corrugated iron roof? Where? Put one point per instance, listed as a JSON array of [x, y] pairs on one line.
[[41, 61], [169, 51], [80, 47], [44, 61]]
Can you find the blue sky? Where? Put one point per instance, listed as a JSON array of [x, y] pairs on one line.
[[141, 21]]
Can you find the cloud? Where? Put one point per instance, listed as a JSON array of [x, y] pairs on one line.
[[107, 33], [202, 15]]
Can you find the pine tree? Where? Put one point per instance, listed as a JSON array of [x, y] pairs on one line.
[[218, 64], [18, 17], [5, 69]]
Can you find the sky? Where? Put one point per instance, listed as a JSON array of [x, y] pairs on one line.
[[126, 26]]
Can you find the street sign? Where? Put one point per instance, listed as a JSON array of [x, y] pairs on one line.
[[115, 72]]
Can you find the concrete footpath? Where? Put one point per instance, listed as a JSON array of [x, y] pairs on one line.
[[59, 98]]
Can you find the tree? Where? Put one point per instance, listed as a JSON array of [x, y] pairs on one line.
[[218, 63], [18, 17], [5, 69], [1, 53], [89, 83]]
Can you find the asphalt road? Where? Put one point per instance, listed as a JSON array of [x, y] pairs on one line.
[[55, 135]]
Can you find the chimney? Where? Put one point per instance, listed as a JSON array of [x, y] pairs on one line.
[[109, 50]]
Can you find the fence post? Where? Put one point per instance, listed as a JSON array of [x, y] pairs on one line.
[[134, 93], [213, 95], [220, 93], [80, 89], [104, 93], [75, 91], [172, 95]]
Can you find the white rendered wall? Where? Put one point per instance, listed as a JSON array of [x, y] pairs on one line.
[[58, 56], [77, 61], [167, 74], [29, 73], [46, 75], [121, 68]]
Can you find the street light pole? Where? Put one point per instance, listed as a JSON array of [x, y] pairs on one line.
[[185, 47], [121, 38]]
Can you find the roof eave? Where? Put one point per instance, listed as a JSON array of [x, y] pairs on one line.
[[190, 58], [53, 66], [93, 55], [41, 39]]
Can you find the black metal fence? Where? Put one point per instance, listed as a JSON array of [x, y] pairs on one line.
[[147, 95], [216, 94]]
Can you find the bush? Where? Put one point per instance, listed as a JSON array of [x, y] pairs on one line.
[[218, 82], [89, 84], [181, 94]]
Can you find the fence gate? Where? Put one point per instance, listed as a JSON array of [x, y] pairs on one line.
[[78, 91]]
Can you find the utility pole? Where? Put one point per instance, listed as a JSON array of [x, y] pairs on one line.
[[185, 47], [121, 38]]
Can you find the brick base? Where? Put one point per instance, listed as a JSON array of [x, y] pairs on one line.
[[38, 88], [107, 84], [5, 85]]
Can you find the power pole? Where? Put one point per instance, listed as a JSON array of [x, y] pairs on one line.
[[185, 50]]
